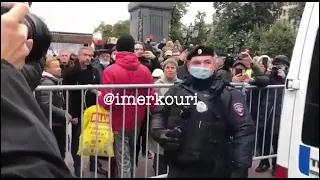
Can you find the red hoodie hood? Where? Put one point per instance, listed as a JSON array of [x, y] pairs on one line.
[[127, 60]]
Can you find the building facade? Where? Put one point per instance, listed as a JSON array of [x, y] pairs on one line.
[[69, 41]]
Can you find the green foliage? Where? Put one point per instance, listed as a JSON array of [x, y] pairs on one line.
[[218, 38], [295, 14], [279, 39], [254, 38], [244, 16], [244, 25], [116, 30], [179, 10], [200, 25], [121, 28], [105, 30]]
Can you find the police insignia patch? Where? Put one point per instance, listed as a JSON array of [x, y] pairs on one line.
[[238, 108]]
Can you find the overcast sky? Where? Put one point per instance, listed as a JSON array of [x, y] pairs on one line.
[[83, 17]]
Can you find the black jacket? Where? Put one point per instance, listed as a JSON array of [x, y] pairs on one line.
[[100, 68], [151, 64], [76, 76], [66, 66], [28, 147], [43, 98], [183, 72], [223, 74], [32, 72], [240, 127], [273, 105]]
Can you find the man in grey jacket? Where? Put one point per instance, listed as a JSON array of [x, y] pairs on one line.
[[57, 117]]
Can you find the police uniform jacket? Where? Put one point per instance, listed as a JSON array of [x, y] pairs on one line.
[[231, 119]]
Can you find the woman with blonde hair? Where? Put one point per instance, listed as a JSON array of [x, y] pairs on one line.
[[169, 46], [177, 45]]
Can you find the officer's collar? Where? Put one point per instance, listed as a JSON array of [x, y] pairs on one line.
[[199, 84]]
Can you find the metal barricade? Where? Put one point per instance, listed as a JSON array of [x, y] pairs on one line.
[[264, 114]]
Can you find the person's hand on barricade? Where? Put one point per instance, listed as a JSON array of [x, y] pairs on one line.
[[74, 121], [95, 91], [14, 43], [68, 117]]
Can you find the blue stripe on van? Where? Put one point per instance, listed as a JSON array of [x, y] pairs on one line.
[[304, 160]]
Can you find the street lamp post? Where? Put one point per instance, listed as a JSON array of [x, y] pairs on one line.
[[188, 33]]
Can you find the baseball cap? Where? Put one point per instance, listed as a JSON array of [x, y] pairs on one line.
[[157, 73]]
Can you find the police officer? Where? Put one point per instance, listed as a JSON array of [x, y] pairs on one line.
[[196, 136]]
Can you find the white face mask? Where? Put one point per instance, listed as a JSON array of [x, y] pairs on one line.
[[200, 72]]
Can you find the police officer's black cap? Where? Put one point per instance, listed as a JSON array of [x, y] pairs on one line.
[[201, 51], [281, 59]]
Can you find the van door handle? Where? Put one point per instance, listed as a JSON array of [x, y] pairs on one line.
[[292, 84]]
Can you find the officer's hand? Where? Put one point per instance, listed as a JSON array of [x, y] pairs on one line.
[[14, 44], [169, 139]]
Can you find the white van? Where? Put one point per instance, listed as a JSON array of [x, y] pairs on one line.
[[298, 145]]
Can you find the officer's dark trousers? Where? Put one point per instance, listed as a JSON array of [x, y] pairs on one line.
[[76, 131], [60, 134], [159, 163]]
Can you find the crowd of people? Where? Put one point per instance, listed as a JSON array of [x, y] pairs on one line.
[[131, 62], [214, 138]]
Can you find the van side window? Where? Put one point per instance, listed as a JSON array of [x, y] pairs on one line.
[[310, 128]]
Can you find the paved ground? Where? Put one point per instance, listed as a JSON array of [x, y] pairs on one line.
[[140, 172]]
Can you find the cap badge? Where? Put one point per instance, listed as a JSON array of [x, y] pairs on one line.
[[199, 51]]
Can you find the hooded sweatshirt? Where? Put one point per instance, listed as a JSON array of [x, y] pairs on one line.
[[164, 80], [126, 70]]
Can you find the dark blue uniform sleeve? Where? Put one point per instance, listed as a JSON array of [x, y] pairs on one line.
[[160, 116], [241, 127]]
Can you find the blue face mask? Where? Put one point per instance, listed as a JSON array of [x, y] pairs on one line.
[[200, 72], [104, 63]]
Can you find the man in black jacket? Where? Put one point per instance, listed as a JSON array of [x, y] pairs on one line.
[[58, 116], [81, 73]]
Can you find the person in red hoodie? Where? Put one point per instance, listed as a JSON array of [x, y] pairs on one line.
[[126, 70]]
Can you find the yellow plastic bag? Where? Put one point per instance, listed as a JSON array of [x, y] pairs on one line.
[[91, 128]]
